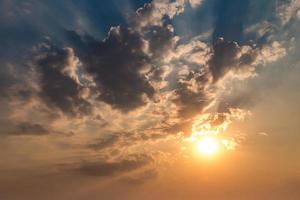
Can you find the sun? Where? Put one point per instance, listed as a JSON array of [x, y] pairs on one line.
[[208, 146]]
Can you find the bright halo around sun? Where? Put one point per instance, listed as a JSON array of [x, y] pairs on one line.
[[208, 146]]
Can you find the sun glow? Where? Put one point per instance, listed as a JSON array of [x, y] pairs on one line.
[[209, 135], [208, 146]]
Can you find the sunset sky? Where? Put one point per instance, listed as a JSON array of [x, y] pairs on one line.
[[143, 100]]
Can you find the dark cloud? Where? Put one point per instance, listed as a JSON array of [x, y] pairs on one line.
[[57, 86], [113, 168], [143, 14], [226, 58], [103, 143], [191, 95], [190, 103], [161, 40], [116, 65], [119, 64], [28, 128], [195, 90]]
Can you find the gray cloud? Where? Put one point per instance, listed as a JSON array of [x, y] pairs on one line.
[[103, 143], [190, 102], [115, 65], [59, 87], [160, 39], [107, 168], [226, 57], [27, 128]]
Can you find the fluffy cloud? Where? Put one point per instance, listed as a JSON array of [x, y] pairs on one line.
[[124, 62], [270, 53], [116, 65], [288, 10], [59, 84], [152, 14], [195, 3]]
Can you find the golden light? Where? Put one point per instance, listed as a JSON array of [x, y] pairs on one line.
[[208, 135], [208, 146]]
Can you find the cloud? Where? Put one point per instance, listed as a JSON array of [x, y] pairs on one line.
[[126, 63], [116, 65], [217, 123], [195, 3], [121, 64], [30, 128], [228, 56], [161, 41], [152, 14], [288, 10], [199, 82], [190, 102], [59, 85], [114, 167], [103, 143], [27, 129], [270, 53]]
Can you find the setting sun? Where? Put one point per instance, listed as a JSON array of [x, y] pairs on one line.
[[208, 146]]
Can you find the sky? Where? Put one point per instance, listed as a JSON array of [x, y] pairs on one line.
[[161, 99]]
